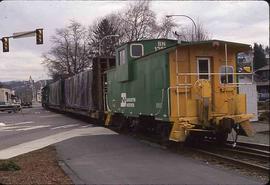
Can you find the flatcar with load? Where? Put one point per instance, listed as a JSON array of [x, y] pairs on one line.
[[179, 90]]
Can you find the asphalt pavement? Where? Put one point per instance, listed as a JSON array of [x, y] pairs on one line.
[[96, 155], [118, 159], [32, 124]]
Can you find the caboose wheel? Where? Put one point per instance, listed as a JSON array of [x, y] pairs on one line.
[[165, 133], [221, 137]]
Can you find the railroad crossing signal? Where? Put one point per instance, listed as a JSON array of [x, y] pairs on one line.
[[5, 41], [39, 36]]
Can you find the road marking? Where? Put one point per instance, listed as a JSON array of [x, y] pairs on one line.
[[13, 124], [21, 123], [86, 126], [65, 126], [49, 140], [12, 127], [33, 127], [21, 126], [49, 116]]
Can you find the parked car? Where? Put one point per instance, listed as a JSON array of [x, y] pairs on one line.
[[9, 107]]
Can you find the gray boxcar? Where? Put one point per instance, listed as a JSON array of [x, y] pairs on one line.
[[55, 94], [78, 91]]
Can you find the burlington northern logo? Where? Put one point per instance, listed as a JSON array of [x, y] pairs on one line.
[[127, 102]]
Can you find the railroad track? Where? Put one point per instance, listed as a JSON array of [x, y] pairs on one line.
[[248, 155], [251, 145]]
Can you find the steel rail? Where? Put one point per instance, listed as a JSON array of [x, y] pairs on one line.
[[249, 153], [230, 159], [258, 146], [253, 150]]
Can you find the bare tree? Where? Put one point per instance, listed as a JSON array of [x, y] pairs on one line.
[[138, 22], [165, 29], [190, 34], [70, 52], [201, 32]]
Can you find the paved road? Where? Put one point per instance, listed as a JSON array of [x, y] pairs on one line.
[[32, 124], [96, 155]]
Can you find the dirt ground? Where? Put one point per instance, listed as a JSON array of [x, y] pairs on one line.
[[38, 167]]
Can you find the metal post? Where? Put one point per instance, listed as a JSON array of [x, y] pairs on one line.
[[226, 63], [252, 71]]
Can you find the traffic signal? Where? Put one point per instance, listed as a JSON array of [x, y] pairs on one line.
[[39, 36], [5, 41]]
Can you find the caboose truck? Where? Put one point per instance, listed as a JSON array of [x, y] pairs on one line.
[[187, 88]]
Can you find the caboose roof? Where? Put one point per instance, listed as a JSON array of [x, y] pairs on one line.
[[238, 46], [211, 42], [136, 41], [185, 43]]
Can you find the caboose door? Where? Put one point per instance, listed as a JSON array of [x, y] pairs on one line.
[[203, 68]]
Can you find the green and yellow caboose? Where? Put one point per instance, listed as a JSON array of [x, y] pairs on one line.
[[192, 87]]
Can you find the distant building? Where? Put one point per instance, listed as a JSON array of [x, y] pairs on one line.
[[6, 95], [32, 86], [38, 88]]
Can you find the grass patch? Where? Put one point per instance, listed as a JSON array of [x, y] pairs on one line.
[[9, 166]]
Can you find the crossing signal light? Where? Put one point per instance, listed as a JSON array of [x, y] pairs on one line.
[[39, 36], [5, 41]]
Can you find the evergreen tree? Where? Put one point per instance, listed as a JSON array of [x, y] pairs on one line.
[[104, 28], [259, 59]]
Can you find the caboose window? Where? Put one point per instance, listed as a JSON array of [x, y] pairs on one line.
[[122, 57], [203, 68], [136, 50], [224, 70]]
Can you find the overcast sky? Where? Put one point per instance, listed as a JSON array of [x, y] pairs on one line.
[[237, 21]]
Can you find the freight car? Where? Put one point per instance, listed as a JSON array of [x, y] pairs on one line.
[[175, 89], [82, 93]]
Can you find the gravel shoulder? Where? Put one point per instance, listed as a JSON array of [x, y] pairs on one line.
[[38, 167]]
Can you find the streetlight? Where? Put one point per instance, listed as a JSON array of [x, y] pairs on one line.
[[168, 16], [99, 45]]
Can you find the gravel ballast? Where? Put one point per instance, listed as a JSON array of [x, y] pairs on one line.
[[38, 167]]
